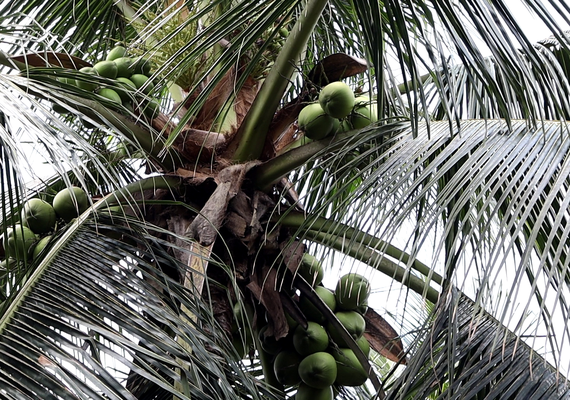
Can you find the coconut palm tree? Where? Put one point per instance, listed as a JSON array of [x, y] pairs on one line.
[[445, 186]]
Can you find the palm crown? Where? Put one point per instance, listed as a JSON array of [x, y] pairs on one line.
[[189, 271]]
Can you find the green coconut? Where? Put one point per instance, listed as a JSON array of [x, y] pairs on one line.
[[125, 67], [268, 343], [116, 52], [318, 370], [362, 342], [70, 203], [315, 122], [40, 246], [311, 311], [142, 66], [310, 340], [87, 83], [110, 94], [306, 392], [142, 83], [350, 371], [362, 308], [337, 99], [352, 291], [286, 368], [311, 269], [108, 69], [18, 241], [38, 215], [352, 321], [125, 88]]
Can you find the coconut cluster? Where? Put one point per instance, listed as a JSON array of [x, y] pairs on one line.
[[27, 239], [337, 110], [316, 359], [130, 86]]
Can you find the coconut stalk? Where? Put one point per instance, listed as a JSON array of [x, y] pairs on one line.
[[377, 261], [295, 219], [250, 139]]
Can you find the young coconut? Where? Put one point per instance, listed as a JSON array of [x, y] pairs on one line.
[[110, 94], [350, 371], [352, 291], [269, 344], [18, 241], [362, 342], [125, 67], [337, 99], [108, 69], [311, 311], [125, 88], [352, 321], [305, 392], [87, 84], [310, 340], [315, 122], [40, 246], [142, 66], [311, 269], [142, 83], [363, 113], [69, 203], [286, 368], [318, 370], [38, 215], [116, 52]]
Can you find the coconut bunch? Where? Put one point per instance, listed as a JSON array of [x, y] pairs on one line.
[[38, 221], [316, 360], [130, 87], [337, 110]]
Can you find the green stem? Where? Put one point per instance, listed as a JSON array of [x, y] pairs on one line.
[[377, 261], [267, 365], [272, 170], [250, 138], [315, 224]]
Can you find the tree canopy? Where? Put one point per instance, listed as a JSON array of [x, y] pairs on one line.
[[443, 184]]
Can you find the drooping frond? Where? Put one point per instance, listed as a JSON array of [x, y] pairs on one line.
[[107, 318], [485, 208], [468, 354]]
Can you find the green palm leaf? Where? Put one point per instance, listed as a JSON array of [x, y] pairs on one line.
[[468, 354], [96, 305]]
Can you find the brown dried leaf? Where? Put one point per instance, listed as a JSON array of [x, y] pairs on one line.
[[52, 59], [292, 255], [383, 338], [205, 226], [336, 67], [271, 301]]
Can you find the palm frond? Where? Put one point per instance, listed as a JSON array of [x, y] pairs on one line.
[[100, 318], [486, 209], [468, 354]]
